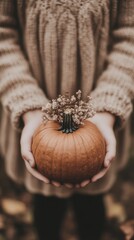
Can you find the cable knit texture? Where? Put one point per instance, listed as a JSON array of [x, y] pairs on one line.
[[48, 47]]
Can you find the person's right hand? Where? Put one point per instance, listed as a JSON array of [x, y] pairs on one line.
[[32, 121]]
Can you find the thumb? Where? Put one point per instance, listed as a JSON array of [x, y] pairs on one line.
[[28, 156], [110, 150], [25, 142]]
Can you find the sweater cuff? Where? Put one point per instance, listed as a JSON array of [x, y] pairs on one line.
[[114, 101], [19, 101]]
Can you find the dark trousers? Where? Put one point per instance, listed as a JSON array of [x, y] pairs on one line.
[[89, 213]]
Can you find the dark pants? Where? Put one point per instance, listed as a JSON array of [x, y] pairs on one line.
[[89, 212]]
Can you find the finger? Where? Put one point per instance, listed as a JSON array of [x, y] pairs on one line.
[[28, 157], [68, 185], [36, 174], [110, 150], [100, 174], [25, 142], [85, 183], [56, 184]]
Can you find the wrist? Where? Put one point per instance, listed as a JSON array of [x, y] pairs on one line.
[[33, 114], [106, 117]]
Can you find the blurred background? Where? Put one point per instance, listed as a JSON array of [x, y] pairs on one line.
[[16, 209]]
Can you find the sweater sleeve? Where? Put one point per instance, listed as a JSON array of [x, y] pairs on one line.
[[19, 91], [115, 88]]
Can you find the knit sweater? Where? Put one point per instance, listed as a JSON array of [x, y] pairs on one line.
[[48, 47]]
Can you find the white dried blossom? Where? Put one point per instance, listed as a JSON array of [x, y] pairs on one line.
[[54, 104], [59, 99], [48, 106], [55, 117], [80, 113], [79, 109], [78, 94], [73, 98]]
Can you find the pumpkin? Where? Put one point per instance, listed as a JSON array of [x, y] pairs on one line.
[[67, 152]]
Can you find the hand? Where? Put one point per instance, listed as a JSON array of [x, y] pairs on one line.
[[32, 121], [105, 122]]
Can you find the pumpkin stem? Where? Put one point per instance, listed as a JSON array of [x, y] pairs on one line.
[[68, 125]]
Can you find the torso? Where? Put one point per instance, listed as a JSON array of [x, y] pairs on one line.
[[66, 42]]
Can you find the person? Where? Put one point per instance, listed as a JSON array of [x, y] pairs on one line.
[[46, 49]]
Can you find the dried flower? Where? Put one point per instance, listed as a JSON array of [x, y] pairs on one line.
[[48, 106], [79, 109], [54, 104], [73, 98]]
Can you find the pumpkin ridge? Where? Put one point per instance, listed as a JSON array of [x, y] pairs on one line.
[[61, 175], [48, 142], [91, 126], [41, 130], [37, 150], [83, 144], [52, 157], [34, 152], [68, 140], [90, 129], [88, 136], [77, 165], [75, 151], [80, 140], [64, 150], [39, 141], [44, 126], [66, 157], [38, 144], [34, 139], [94, 140]]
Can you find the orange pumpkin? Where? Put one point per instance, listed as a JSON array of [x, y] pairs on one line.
[[68, 158]]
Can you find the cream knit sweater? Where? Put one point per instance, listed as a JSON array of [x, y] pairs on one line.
[[48, 47]]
